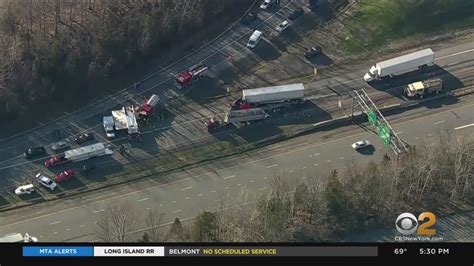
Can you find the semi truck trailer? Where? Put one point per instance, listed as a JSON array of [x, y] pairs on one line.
[[18, 238], [422, 88], [400, 65], [270, 98]]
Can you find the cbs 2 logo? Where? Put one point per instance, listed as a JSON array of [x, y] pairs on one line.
[[407, 224]]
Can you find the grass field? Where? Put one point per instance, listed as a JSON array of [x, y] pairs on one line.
[[378, 22]]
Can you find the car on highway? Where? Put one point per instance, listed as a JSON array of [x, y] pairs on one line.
[[282, 26], [45, 181], [267, 4], [34, 152], [55, 160], [64, 176], [84, 137], [312, 52], [360, 144], [249, 18], [60, 145], [296, 13], [25, 189]]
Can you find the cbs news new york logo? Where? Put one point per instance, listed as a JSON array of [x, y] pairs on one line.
[[408, 224]]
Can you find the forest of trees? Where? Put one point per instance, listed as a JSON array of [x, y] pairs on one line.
[[51, 50], [431, 177]]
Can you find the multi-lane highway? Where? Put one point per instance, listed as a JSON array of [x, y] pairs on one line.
[[184, 194]]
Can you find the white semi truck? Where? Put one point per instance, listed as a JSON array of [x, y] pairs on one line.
[[422, 88], [270, 98], [86, 152], [18, 238], [400, 65]]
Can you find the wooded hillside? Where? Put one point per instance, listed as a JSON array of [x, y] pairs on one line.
[[50, 49]]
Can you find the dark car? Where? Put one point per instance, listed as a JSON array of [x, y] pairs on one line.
[[296, 13], [249, 18], [33, 152], [87, 168], [312, 52], [84, 137]]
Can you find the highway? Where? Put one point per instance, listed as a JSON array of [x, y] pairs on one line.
[[220, 184]]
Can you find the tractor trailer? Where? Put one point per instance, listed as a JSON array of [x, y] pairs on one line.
[[400, 65], [270, 98], [18, 238], [422, 88]]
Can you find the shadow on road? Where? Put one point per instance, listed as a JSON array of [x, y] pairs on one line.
[[369, 150]]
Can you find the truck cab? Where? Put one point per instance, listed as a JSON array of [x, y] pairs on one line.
[[371, 75]]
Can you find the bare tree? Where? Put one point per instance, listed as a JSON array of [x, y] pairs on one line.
[[153, 220], [116, 223]]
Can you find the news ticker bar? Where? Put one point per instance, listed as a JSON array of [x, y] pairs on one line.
[[162, 251]]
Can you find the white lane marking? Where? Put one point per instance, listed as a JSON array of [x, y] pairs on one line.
[[140, 200], [239, 185], [68, 229], [161, 205], [429, 135], [273, 165], [41, 236], [213, 191], [451, 55], [290, 171], [187, 198], [82, 226], [226, 188], [329, 161], [439, 122], [304, 177], [55, 233], [341, 158], [174, 201], [301, 144], [200, 195], [398, 133], [229, 177], [315, 164], [452, 64], [99, 211], [251, 181], [95, 222], [314, 154], [263, 188], [53, 223], [186, 188], [465, 126], [176, 211], [417, 138], [148, 208], [304, 167]]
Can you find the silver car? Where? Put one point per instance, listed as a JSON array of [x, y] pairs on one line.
[[60, 145], [360, 144]]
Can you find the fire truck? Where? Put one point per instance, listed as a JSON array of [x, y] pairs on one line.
[[148, 108], [189, 76]]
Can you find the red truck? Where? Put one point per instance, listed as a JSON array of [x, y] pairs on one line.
[[148, 108], [64, 176], [189, 76], [55, 160]]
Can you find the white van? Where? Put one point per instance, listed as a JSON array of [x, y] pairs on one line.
[[254, 39], [25, 189]]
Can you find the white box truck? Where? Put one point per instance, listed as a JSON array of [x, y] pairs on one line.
[[86, 152], [400, 65]]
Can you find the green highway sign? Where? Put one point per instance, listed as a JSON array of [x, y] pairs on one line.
[[372, 116], [384, 134]]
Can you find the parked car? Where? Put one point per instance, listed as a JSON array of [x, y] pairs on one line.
[[360, 144], [267, 4], [282, 26], [25, 189], [45, 181], [34, 152], [249, 18], [296, 13], [55, 160], [84, 137], [64, 175], [87, 168], [312, 52], [60, 145]]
